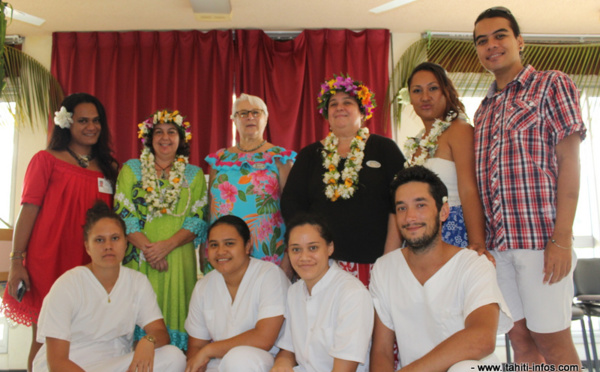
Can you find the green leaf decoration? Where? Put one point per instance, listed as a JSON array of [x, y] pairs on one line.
[[277, 232], [241, 195], [265, 248], [280, 250], [273, 245], [244, 171], [221, 179], [250, 190]]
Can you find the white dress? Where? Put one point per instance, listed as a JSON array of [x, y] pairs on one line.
[[334, 321], [214, 316], [98, 325], [423, 316]]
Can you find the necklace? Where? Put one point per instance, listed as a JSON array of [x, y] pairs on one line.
[[428, 144], [82, 160], [163, 200], [343, 184], [252, 149], [163, 173]]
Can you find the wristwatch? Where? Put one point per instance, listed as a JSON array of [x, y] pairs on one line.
[[150, 338]]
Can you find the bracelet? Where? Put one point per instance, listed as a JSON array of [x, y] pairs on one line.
[[21, 257], [558, 245]]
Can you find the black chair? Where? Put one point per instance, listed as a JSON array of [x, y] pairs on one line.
[[587, 295]]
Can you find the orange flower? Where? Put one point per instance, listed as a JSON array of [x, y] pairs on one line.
[[149, 189], [331, 167], [176, 180], [348, 182], [163, 211], [181, 160], [332, 180]]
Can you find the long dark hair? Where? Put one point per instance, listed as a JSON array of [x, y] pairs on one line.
[[101, 150], [453, 104]]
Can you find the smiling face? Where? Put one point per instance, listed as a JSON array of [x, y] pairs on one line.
[[417, 215], [86, 126], [309, 253], [227, 252], [427, 97], [344, 115], [253, 125], [106, 243], [497, 47], [165, 141]]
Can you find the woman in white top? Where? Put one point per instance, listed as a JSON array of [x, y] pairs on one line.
[[329, 314], [89, 316], [236, 310], [445, 146]]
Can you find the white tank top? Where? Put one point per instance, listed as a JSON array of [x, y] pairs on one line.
[[446, 170]]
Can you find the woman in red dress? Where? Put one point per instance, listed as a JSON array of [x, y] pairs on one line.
[[61, 184]]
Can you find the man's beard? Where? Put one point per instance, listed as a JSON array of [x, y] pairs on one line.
[[421, 244]]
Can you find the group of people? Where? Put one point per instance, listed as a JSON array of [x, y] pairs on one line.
[[505, 189]]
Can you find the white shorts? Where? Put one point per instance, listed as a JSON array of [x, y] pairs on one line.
[[546, 308]]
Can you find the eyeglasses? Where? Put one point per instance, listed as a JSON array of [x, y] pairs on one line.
[[253, 113]]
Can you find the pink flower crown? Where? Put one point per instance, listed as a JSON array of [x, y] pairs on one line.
[[164, 117], [365, 97]]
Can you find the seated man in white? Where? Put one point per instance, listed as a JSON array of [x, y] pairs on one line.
[[89, 316], [440, 302]]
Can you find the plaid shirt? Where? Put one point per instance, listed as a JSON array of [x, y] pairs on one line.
[[516, 133]]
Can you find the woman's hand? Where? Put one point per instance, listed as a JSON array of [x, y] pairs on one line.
[[156, 252], [143, 358], [480, 249], [198, 362], [161, 265], [16, 274]]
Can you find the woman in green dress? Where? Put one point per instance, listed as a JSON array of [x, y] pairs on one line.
[[162, 197]]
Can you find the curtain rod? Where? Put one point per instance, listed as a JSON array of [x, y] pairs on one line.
[[542, 38]]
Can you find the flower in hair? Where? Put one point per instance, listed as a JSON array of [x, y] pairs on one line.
[[164, 117], [63, 118], [356, 89]]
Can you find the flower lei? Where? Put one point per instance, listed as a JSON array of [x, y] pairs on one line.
[[163, 201], [164, 117], [63, 118], [428, 145], [357, 89], [345, 184]]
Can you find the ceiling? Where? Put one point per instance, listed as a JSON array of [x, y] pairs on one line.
[[534, 16]]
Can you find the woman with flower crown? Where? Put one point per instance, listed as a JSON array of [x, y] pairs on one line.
[[61, 184], [161, 198], [445, 146], [345, 178], [247, 179]]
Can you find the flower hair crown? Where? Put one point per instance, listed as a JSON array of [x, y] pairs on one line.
[[164, 117], [356, 89]]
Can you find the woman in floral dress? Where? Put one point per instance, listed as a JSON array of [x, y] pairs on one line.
[[161, 198], [246, 180], [445, 146]]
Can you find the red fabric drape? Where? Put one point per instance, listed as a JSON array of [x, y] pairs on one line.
[[288, 76], [136, 73]]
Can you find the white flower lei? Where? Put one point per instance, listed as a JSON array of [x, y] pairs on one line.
[[63, 118], [345, 184], [163, 201], [428, 145]]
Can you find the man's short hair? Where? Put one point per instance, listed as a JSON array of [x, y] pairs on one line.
[[499, 12], [418, 173]]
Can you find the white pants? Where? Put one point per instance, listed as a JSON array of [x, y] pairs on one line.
[[243, 358]]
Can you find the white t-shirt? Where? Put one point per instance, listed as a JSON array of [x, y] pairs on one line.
[[334, 321], [423, 316], [213, 316], [98, 325]]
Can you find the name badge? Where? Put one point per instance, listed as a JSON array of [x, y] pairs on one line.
[[104, 186], [373, 164]]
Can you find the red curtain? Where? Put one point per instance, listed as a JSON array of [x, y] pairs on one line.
[[136, 73], [288, 76]]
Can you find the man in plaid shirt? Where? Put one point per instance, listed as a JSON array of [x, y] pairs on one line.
[[527, 135]]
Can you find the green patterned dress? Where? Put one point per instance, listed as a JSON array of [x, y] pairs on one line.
[[174, 287]]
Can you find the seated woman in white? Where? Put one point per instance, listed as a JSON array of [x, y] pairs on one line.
[[236, 310], [89, 316], [329, 313]]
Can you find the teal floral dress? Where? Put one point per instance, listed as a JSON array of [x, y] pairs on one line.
[[247, 185]]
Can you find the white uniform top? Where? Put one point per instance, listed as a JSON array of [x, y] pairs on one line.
[[336, 321], [446, 170], [98, 325], [423, 316], [213, 316]]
